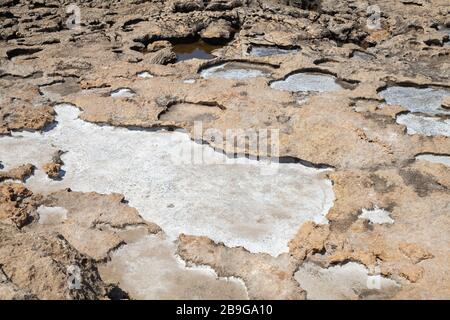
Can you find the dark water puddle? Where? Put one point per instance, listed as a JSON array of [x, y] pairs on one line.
[[198, 49]]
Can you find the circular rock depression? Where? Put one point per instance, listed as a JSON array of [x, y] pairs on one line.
[[236, 202]]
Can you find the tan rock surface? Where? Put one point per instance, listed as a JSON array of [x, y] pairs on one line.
[[17, 204], [265, 277], [353, 130]]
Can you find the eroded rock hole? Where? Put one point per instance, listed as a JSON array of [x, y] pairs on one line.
[[308, 82], [195, 50]]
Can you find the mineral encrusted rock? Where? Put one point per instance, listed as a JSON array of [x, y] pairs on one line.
[[20, 173]]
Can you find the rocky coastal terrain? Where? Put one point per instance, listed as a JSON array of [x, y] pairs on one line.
[[99, 101]]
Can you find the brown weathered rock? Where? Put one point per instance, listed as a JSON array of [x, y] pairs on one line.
[[446, 103], [53, 169], [14, 117], [412, 273], [19, 173], [9, 291]]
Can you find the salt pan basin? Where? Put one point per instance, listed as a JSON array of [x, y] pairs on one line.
[[231, 203]]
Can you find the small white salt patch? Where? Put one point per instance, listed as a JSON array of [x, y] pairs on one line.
[[51, 215], [377, 216], [189, 81]]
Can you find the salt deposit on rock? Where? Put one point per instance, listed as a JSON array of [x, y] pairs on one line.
[[428, 126], [51, 215], [376, 216], [424, 100], [229, 202], [123, 93], [149, 269], [305, 82]]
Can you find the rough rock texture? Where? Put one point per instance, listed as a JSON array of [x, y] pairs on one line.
[[9, 291], [44, 61]]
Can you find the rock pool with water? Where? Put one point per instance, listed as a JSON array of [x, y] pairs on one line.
[[235, 70]]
